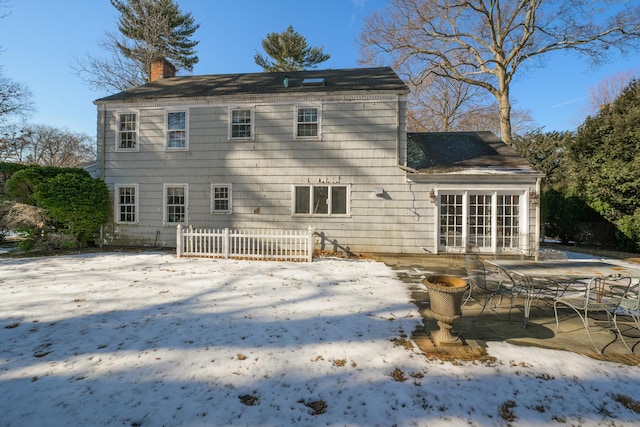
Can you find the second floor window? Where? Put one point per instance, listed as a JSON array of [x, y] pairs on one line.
[[307, 122], [241, 124], [127, 139], [176, 130]]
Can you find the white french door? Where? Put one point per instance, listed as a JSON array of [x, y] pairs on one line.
[[480, 224], [479, 221]]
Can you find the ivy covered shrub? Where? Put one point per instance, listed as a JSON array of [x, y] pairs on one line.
[[23, 183], [76, 204], [7, 170]]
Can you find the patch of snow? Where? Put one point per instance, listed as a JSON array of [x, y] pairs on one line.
[[149, 339]]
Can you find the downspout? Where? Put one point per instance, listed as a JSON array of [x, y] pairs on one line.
[[398, 130], [103, 148], [538, 210], [103, 151]]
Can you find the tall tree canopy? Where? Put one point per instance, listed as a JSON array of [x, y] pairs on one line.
[[149, 29], [484, 43], [289, 52], [606, 158]]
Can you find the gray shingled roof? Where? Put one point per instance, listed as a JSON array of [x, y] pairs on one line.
[[354, 79], [455, 152]]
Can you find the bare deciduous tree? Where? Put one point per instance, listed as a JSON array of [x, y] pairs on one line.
[[15, 100], [13, 143], [48, 146], [484, 43], [609, 89], [443, 105]]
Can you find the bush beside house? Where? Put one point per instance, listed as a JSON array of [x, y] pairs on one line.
[[53, 207]]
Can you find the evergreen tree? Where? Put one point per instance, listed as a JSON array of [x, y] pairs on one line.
[[156, 28], [149, 29], [289, 52], [606, 158]]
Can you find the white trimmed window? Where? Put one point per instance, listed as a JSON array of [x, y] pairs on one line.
[[241, 123], [126, 204], [176, 198], [177, 125], [221, 198], [321, 200], [127, 134], [307, 122]]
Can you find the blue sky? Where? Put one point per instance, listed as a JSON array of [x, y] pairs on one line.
[[41, 38]]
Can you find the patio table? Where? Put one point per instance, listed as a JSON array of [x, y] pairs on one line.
[[536, 277]]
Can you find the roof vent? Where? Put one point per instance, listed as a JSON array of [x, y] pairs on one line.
[[313, 82]]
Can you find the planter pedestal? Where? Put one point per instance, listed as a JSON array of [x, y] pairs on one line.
[[445, 295]]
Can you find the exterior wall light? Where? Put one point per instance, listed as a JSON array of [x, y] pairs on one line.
[[534, 198]]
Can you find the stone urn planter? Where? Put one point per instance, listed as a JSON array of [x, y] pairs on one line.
[[445, 295]]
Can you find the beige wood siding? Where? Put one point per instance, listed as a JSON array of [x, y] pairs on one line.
[[357, 147]]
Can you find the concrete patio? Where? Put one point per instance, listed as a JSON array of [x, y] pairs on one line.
[[495, 325]]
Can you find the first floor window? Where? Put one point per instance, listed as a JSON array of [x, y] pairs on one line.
[[241, 124], [221, 198], [176, 129], [307, 122], [127, 138], [320, 199], [175, 203], [126, 204]]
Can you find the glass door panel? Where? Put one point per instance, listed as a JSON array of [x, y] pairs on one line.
[[479, 221], [451, 220]]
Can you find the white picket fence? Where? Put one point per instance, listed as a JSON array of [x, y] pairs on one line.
[[281, 245]]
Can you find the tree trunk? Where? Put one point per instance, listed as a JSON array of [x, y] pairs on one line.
[[505, 114]]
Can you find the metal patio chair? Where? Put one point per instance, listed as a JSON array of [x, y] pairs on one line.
[[600, 295], [491, 283], [629, 307]]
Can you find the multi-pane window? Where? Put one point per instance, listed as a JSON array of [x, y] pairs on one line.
[[241, 123], [480, 220], [508, 221], [321, 200], [176, 130], [127, 138], [221, 198], [307, 122], [451, 220], [126, 204], [175, 203]]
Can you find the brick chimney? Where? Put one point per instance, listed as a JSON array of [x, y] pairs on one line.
[[160, 69]]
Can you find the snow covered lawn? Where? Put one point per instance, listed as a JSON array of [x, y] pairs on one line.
[[148, 339]]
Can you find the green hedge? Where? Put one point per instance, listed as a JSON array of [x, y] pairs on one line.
[[23, 184], [78, 203]]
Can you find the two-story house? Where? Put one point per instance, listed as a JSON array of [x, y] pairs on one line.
[[323, 148]]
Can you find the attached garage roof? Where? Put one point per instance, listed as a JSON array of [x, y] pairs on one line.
[[464, 153]]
